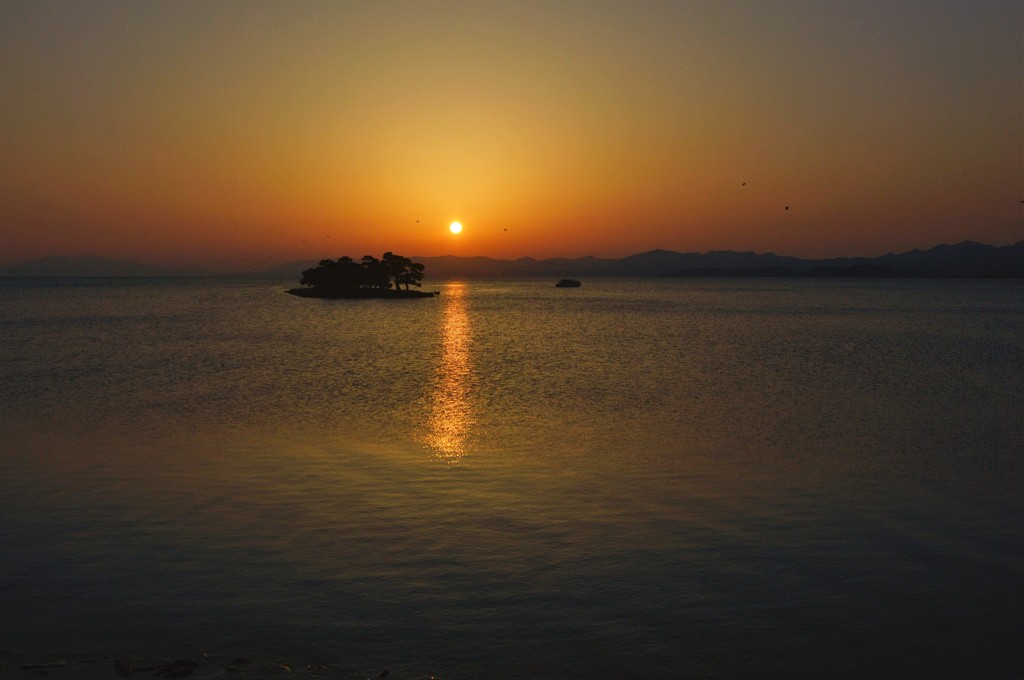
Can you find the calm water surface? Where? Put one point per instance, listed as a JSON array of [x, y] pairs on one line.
[[653, 478]]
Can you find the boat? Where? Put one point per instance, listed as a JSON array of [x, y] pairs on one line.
[[568, 283]]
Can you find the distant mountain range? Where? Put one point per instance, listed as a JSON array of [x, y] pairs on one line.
[[963, 260]]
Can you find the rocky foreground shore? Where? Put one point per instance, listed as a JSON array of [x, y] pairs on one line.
[[201, 666]]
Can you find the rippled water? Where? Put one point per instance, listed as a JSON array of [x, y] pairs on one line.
[[655, 478]]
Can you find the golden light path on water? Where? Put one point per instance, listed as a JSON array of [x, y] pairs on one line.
[[450, 419]]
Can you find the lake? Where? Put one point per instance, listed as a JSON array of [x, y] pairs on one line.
[[637, 478]]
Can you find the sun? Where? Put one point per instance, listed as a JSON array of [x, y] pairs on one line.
[[455, 227]]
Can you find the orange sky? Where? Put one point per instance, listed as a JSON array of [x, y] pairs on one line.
[[245, 134]]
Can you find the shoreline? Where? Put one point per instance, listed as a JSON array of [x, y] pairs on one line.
[[98, 666]]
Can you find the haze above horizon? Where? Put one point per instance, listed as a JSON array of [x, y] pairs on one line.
[[242, 134]]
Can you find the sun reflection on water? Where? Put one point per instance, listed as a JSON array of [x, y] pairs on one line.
[[450, 419]]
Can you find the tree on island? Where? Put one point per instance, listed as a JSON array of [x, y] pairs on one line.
[[369, 277], [404, 270]]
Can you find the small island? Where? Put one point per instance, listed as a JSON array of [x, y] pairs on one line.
[[368, 278]]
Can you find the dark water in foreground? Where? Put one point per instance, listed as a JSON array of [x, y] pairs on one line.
[[651, 479]]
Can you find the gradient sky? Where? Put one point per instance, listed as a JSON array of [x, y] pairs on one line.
[[248, 133]]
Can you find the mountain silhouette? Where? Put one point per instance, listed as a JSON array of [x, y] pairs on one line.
[[962, 260]]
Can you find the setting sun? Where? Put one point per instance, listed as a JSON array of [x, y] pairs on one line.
[[455, 227]]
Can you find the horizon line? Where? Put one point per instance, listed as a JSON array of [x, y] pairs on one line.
[[258, 268]]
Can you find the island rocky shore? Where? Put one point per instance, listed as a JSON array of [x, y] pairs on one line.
[[360, 294]]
